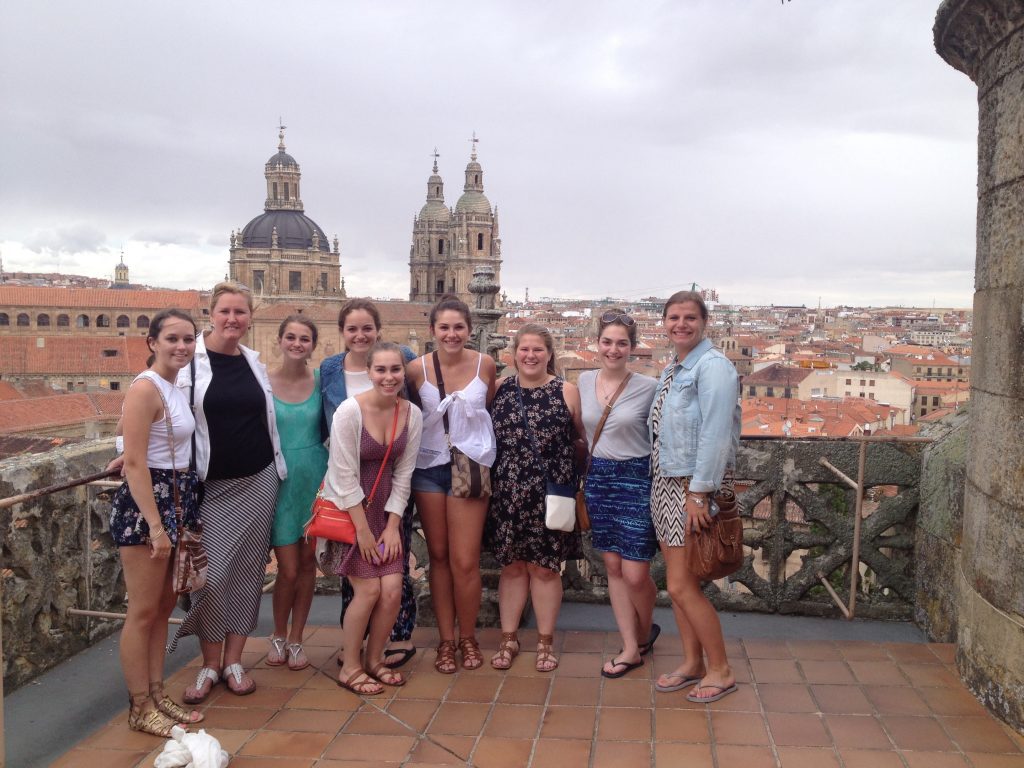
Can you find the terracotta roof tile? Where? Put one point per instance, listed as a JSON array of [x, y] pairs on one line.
[[34, 296], [80, 355], [32, 414]]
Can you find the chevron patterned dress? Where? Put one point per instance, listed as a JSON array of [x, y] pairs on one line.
[[668, 494]]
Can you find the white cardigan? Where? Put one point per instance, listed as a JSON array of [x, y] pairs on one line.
[[341, 483]]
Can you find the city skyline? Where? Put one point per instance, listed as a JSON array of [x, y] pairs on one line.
[[775, 153]]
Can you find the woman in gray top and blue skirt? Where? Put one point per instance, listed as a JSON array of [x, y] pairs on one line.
[[618, 487]]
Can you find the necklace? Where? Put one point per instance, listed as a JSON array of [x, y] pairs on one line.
[[607, 393]]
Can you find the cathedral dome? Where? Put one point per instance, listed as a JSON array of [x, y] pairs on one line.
[[282, 158], [294, 231], [473, 202], [435, 210]]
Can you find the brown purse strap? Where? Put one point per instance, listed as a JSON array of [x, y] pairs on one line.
[[604, 418], [440, 395], [170, 446], [387, 453]]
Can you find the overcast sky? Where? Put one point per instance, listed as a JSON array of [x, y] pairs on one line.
[[775, 152]]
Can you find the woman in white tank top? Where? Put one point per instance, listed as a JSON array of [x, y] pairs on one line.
[[453, 526], [143, 522]]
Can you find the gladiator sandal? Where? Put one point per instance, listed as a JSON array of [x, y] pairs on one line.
[[171, 708], [546, 660], [471, 656], [445, 661], [508, 649], [151, 721]]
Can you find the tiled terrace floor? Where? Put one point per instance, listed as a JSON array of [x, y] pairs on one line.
[[800, 704]]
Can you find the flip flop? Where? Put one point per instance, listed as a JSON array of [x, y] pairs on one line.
[[403, 654], [358, 683], [647, 647], [684, 682], [722, 692], [234, 673], [627, 666], [205, 680]]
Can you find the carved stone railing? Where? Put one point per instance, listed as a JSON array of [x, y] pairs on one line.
[[798, 520]]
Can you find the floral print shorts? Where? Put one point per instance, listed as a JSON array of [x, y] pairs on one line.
[[127, 525]]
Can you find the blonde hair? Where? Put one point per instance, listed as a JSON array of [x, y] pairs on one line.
[[230, 286], [536, 329]]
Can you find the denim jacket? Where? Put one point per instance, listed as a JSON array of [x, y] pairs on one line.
[[700, 419], [332, 383]]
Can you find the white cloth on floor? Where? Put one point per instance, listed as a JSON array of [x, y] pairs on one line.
[[191, 750]]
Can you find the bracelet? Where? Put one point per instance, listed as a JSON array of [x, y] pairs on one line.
[[698, 500], [159, 532]]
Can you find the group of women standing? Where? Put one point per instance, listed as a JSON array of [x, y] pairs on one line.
[[657, 452]]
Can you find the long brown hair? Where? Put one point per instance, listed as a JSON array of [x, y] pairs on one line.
[[536, 329]]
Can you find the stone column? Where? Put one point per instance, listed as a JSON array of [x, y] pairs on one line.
[[985, 40]]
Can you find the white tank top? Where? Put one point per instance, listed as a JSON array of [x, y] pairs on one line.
[[158, 453], [470, 427]]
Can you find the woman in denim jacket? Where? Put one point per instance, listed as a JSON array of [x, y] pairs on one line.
[[695, 430], [345, 375]]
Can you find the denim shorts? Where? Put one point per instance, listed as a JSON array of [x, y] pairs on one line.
[[433, 479]]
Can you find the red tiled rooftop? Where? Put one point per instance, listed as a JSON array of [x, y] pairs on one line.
[[40, 354], [58, 410], [89, 298]]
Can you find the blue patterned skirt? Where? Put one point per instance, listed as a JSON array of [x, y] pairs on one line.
[[618, 501], [127, 525]]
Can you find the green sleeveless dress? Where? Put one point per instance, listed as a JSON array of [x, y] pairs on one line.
[[298, 425]]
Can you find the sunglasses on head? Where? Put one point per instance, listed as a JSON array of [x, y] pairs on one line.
[[617, 317]]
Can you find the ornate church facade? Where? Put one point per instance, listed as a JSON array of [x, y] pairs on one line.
[[282, 253], [448, 244]]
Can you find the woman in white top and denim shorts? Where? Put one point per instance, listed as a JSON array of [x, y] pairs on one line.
[[453, 526]]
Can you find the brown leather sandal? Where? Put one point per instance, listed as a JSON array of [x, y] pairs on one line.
[[153, 721], [546, 660], [387, 676], [471, 656], [508, 649], [445, 661]]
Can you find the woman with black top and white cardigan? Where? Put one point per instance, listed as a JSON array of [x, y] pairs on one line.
[[238, 456]]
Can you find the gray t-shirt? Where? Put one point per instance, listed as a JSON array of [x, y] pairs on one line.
[[625, 433]]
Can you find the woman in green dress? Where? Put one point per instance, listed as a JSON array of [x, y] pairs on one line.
[[299, 413]]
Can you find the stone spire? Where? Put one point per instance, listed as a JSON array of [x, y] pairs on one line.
[[283, 176]]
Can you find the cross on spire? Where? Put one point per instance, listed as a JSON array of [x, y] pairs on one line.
[[281, 128], [435, 156], [474, 141]]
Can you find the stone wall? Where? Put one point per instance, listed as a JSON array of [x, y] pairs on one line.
[[44, 571], [940, 522]]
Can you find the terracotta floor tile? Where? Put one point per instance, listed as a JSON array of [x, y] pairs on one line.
[[979, 734], [426, 685], [271, 762], [918, 733], [877, 672], [738, 728], [569, 723], [730, 755], [286, 744], [827, 672], [814, 650], [767, 649], [808, 757], [323, 721], [860, 650], [798, 730], [235, 718], [890, 700], [326, 636], [743, 700], [579, 664], [331, 698], [474, 688], [119, 736], [786, 697], [377, 722], [863, 758], [272, 698], [383, 748], [584, 642], [511, 721], [574, 691], [444, 750], [681, 725], [842, 699], [857, 732], [364, 764], [621, 754], [620, 724], [952, 701], [560, 753], [491, 752], [525, 690], [459, 719], [231, 741], [930, 676], [982, 760], [281, 677], [107, 758], [946, 652], [414, 713], [626, 693], [933, 760], [775, 671], [675, 754], [919, 652]]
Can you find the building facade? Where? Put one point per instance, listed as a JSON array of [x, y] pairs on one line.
[[449, 244], [282, 252]]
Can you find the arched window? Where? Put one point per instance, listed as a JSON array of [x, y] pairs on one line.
[[480, 241], [273, 186], [142, 321], [5, 320], [43, 321], [102, 321], [82, 321], [440, 247], [123, 321], [476, 178], [23, 321], [63, 321]]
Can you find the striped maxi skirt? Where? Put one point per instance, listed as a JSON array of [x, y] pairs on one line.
[[237, 515]]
